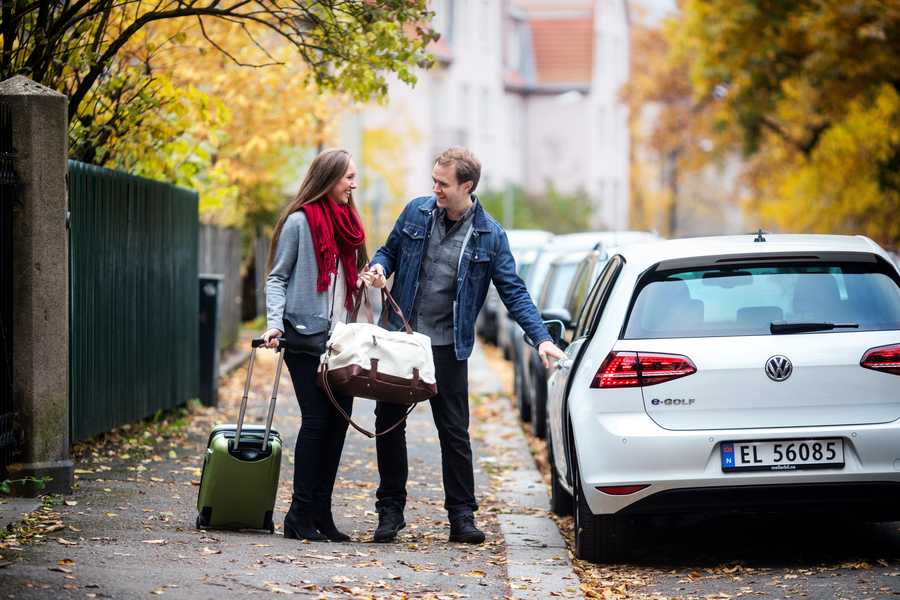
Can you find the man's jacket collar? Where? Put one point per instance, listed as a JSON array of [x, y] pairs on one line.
[[479, 221]]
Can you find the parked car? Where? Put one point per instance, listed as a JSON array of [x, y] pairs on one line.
[[529, 372], [506, 326], [493, 310], [724, 374]]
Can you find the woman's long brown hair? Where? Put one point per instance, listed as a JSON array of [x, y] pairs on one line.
[[324, 173]]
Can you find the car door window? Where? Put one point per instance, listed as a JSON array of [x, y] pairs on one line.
[[593, 307], [580, 287]]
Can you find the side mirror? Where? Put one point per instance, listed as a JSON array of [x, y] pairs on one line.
[[558, 314], [556, 328]]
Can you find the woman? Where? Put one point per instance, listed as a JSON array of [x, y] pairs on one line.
[[316, 254]]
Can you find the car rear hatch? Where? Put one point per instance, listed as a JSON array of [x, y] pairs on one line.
[[767, 345]]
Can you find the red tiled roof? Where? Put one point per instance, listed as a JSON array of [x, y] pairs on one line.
[[563, 49]]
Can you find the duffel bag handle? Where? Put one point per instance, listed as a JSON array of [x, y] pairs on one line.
[[362, 299], [388, 300]]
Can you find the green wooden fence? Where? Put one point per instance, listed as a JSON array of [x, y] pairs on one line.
[[133, 298]]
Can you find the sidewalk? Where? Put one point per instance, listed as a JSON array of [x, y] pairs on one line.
[[129, 527]]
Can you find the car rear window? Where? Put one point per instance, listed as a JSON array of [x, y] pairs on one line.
[[746, 300]]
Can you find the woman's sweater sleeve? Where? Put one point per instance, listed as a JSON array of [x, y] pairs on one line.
[[282, 268]]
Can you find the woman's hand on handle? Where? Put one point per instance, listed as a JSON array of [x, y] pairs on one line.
[[271, 336]]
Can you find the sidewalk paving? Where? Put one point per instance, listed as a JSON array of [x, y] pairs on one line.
[[129, 527]]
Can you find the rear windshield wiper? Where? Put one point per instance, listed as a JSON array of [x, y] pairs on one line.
[[784, 327]]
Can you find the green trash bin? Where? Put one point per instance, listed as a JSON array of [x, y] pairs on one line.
[[210, 300]]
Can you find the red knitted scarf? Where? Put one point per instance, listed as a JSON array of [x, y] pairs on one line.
[[337, 232]]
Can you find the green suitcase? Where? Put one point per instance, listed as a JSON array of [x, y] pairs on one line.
[[239, 482]]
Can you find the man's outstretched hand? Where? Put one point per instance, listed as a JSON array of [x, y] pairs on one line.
[[548, 350]]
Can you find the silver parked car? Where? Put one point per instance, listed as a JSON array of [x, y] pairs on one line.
[[729, 374]]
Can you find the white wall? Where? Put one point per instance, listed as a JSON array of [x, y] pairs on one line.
[[608, 175], [558, 148]]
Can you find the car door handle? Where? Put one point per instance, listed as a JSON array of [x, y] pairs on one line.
[[565, 363]]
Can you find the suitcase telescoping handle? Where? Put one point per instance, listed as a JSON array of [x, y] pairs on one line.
[[256, 343]]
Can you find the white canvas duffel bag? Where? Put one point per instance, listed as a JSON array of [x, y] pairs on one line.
[[368, 361]]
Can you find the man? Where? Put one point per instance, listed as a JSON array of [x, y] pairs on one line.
[[443, 251]]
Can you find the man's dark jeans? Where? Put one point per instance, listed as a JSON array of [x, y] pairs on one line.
[[321, 439], [451, 416]]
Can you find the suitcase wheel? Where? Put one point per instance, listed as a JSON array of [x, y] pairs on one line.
[[203, 519]]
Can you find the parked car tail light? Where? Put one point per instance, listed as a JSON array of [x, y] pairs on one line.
[[883, 358], [635, 369], [622, 490]]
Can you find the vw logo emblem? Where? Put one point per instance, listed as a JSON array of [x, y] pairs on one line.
[[779, 368]]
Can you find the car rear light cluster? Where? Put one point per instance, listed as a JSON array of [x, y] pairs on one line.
[[883, 358], [636, 369]]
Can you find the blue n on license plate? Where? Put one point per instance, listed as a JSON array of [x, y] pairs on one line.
[[782, 455]]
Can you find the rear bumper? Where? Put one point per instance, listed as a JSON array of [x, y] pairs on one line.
[[683, 469], [874, 500]]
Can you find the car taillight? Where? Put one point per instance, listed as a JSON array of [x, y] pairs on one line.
[[635, 369], [883, 358]]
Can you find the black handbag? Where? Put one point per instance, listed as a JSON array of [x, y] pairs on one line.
[[305, 334]]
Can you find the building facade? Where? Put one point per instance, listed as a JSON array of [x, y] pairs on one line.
[[531, 86]]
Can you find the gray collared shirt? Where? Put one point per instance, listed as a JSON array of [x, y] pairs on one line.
[[433, 308]]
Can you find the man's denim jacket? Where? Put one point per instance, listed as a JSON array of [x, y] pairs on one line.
[[485, 257]]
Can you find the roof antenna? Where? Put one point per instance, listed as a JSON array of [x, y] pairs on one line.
[[759, 236]]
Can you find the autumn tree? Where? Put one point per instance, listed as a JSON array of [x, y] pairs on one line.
[[672, 130], [812, 90], [75, 47]]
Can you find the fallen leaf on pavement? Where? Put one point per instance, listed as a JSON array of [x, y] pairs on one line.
[[66, 542], [59, 569], [155, 541]]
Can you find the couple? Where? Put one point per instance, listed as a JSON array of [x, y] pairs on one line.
[[443, 251]]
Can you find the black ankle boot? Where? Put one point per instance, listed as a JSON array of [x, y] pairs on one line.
[[325, 524], [390, 521], [298, 524], [463, 530]]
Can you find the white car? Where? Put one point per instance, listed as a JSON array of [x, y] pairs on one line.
[[724, 374]]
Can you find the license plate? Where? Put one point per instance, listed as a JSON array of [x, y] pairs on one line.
[[782, 455]]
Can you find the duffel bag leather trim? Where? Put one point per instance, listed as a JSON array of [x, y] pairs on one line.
[[369, 383]]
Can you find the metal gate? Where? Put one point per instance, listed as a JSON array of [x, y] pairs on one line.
[[8, 197]]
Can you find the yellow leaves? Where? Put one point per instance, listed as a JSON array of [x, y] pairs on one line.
[[836, 189]]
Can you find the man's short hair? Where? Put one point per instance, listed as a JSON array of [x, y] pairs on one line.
[[467, 167]]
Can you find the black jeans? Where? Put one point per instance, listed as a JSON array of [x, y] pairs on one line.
[[450, 409], [321, 438]]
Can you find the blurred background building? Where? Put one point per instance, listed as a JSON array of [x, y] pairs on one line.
[[531, 86]]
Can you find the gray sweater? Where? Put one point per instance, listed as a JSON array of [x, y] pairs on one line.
[[291, 285]]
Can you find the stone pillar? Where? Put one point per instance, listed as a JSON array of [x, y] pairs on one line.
[[41, 286]]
